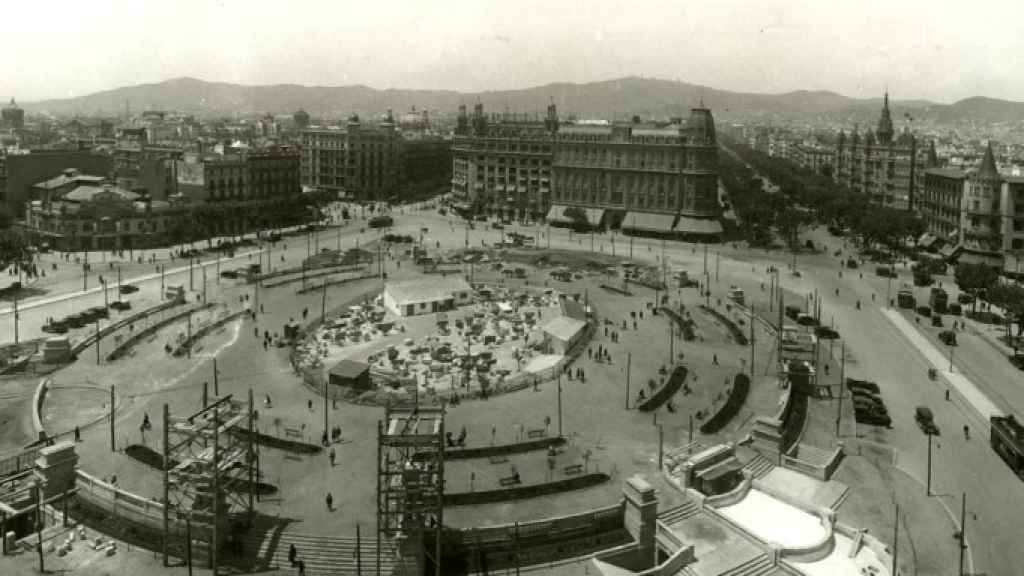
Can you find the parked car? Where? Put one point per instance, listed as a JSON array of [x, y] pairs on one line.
[[885, 272], [925, 419], [826, 333], [56, 327], [853, 383], [947, 337], [1017, 360], [955, 309], [862, 393], [937, 321], [874, 418], [98, 312], [964, 298], [230, 274], [75, 321], [121, 305], [128, 289], [851, 264], [806, 320], [924, 311], [865, 403]]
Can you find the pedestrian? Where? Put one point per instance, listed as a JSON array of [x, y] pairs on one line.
[[332, 455], [330, 501], [78, 432], [292, 554], [309, 404], [714, 359], [947, 399], [302, 567]]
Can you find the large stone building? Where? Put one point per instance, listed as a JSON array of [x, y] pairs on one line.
[[979, 213], [660, 180], [27, 169], [372, 163], [645, 178], [879, 164], [501, 165]]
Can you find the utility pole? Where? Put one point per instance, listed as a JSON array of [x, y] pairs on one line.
[[188, 348], [85, 272], [661, 445], [842, 383], [15, 317], [326, 425], [896, 540], [752, 320], [162, 268], [691, 429], [718, 260], [97, 341], [167, 501], [214, 545], [216, 379], [323, 303], [559, 405], [629, 370], [705, 259], [928, 486], [39, 525], [204, 284], [963, 530], [671, 342], [112, 445], [191, 284]]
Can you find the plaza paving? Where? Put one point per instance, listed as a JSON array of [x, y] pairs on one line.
[[619, 441]]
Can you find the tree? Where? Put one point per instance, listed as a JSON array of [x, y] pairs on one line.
[[790, 220], [1010, 297], [578, 217], [975, 279]]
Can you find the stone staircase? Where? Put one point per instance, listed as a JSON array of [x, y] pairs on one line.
[[679, 513], [323, 555], [757, 566], [814, 455], [759, 465]]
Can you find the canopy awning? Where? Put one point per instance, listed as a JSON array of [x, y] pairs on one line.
[[594, 215], [557, 214], [648, 222], [687, 225], [979, 258]]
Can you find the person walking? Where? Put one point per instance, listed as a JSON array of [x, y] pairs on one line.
[[332, 456], [292, 554], [330, 501]]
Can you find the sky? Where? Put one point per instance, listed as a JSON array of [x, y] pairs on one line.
[[941, 50]]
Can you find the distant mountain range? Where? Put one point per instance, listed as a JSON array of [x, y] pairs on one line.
[[610, 99]]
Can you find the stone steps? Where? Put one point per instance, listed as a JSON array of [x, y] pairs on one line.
[[323, 554], [759, 466], [756, 566], [679, 513], [814, 455]]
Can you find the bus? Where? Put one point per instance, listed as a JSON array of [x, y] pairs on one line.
[[1008, 441]]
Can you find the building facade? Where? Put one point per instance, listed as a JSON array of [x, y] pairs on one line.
[[884, 167], [373, 163], [979, 213], [501, 165], [642, 178], [26, 170]]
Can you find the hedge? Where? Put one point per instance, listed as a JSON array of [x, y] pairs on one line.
[[731, 326], [675, 382], [737, 396]]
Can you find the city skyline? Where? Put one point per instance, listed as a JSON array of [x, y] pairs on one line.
[[774, 47]]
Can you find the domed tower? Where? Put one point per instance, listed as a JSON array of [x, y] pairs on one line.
[[388, 124], [885, 131], [479, 120], [13, 116], [551, 121], [301, 119], [700, 171], [353, 123]]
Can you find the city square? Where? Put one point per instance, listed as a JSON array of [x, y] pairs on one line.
[[626, 327]]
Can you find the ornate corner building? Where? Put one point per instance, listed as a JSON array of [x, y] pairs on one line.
[[880, 164], [652, 178]]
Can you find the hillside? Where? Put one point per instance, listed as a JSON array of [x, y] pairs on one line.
[[620, 98]]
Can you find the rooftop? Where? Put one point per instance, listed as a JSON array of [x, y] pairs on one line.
[[415, 291], [90, 193]]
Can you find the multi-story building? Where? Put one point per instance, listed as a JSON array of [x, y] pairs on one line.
[[26, 169], [884, 167], [812, 156], [501, 165], [372, 163], [645, 179], [979, 213]]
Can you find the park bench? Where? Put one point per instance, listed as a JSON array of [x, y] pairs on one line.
[[498, 459], [573, 469], [536, 433], [509, 481], [293, 432]]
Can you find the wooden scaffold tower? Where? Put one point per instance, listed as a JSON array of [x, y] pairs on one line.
[[410, 482], [210, 475]]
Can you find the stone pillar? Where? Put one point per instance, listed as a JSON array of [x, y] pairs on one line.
[[55, 467], [641, 515]]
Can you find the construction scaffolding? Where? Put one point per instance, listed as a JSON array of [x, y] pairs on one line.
[[210, 475], [410, 481]]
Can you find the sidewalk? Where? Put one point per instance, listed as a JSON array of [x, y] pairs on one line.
[[970, 392]]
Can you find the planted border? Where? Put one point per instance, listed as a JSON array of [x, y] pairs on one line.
[[674, 383], [531, 491], [737, 396], [731, 326]]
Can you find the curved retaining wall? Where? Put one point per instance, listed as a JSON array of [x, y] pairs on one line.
[[732, 497], [104, 332], [206, 330], [125, 345], [37, 406]]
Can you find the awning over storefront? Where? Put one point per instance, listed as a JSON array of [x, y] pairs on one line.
[[687, 225], [594, 215], [978, 258], [557, 214], [648, 222]]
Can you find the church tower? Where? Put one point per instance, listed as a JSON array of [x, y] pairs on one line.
[[885, 131]]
